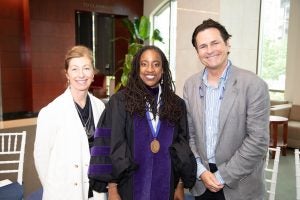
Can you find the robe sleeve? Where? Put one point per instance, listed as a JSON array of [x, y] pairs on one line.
[[183, 159], [123, 165], [100, 163], [111, 159]]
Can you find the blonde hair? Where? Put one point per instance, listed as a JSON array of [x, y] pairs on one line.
[[77, 52]]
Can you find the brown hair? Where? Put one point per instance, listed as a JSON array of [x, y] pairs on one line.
[[77, 52], [209, 23]]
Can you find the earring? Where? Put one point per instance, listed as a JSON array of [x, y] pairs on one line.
[[161, 81]]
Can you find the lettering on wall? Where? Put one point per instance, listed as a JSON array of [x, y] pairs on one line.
[[94, 6]]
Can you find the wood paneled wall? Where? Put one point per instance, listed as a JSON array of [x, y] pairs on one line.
[[15, 69], [34, 37]]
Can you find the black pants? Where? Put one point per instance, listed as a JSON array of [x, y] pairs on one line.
[[208, 195]]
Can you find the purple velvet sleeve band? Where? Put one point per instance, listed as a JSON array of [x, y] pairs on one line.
[[102, 132], [97, 152], [98, 169], [100, 151]]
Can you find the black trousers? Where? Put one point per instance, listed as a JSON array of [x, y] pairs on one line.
[[208, 195]]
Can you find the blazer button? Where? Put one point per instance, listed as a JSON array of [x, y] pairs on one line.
[[75, 184], [76, 166]]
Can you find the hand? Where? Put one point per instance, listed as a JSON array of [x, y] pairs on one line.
[[113, 193], [211, 182], [179, 192]]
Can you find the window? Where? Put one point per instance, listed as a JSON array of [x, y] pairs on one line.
[[164, 19], [273, 45]]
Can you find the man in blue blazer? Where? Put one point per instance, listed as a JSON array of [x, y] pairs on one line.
[[228, 116]]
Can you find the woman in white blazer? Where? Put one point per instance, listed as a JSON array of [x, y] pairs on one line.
[[65, 129]]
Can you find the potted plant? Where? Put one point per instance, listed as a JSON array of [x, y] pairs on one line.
[[139, 30]]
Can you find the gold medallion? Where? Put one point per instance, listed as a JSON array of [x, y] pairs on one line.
[[154, 146]]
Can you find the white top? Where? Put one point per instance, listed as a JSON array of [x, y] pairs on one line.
[[61, 149]]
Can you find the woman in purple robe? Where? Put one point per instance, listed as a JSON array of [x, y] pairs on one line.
[[141, 146]]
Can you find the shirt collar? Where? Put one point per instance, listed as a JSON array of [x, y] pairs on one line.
[[223, 77]]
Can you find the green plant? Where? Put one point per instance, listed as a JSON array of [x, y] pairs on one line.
[[139, 30]]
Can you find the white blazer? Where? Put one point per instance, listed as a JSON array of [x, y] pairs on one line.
[[61, 150]]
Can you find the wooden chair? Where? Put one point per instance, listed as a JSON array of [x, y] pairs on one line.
[[297, 170], [272, 172], [12, 150]]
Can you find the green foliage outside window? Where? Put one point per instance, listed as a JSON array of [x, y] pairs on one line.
[[274, 59], [274, 65]]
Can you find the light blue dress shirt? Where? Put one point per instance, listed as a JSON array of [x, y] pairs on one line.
[[213, 99]]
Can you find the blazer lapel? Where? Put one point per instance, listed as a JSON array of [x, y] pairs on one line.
[[230, 94], [199, 95], [72, 112]]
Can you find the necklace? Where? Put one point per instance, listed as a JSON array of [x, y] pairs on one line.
[[87, 125], [154, 124]]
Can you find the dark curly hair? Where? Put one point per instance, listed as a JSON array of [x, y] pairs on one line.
[[137, 94]]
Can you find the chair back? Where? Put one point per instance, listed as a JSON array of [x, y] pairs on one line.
[[297, 170], [12, 150], [272, 172]]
